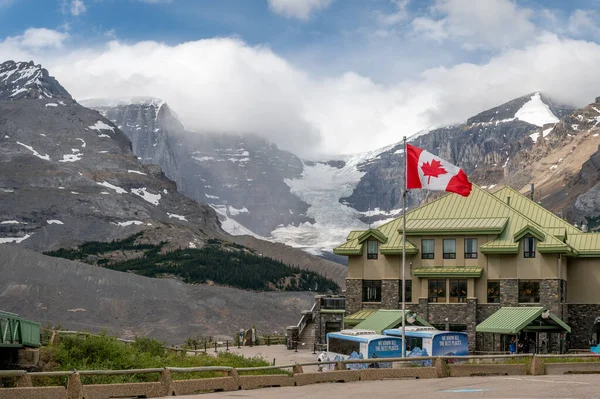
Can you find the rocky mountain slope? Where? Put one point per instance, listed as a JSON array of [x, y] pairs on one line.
[[81, 297], [242, 178], [563, 164], [313, 204], [68, 175]]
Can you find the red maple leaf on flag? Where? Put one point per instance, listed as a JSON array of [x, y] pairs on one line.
[[432, 170]]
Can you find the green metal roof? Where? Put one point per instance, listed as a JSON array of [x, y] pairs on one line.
[[529, 230], [384, 319], [534, 211], [378, 235], [511, 320], [455, 226], [450, 272], [454, 214], [358, 317], [587, 244]]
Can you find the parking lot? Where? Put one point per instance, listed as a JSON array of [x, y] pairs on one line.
[[565, 387]]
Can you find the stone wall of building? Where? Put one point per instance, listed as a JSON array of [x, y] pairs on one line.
[[581, 320], [509, 292], [321, 320], [487, 342], [390, 294], [550, 296], [353, 296]]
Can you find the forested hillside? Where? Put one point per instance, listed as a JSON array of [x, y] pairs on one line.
[[217, 262]]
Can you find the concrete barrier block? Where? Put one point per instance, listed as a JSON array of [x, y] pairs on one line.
[[406, 372], [327, 376], [265, 381], [188, 387], [34, 393], [536, 367], [24, 381], [138, 389], [572, 368], [470, 370]]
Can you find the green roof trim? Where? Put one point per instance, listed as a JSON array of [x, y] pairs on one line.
[[531, 230], [512, 320], [358, 317], [450, 272], [378, 235], [384, 319], [489, 225]]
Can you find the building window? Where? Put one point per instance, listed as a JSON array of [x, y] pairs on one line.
[[371, 291], [529, 245], [529, 291], [450, 249], [408, 291], [493, 291], [470, 248], [437, 291], [372, 249], [427, 249], [458, 290]]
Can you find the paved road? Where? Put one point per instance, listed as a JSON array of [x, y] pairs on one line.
[[547, 387]]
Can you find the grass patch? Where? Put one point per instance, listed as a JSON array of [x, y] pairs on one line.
[[106, 353]]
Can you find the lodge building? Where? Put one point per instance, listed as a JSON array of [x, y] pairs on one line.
[[468, 257]]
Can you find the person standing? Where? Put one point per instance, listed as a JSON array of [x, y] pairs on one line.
[[512, 347]]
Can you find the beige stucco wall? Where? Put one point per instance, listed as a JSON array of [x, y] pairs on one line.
[[583, 281]]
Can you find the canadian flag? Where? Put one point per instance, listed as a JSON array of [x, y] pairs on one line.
[[425, 170]]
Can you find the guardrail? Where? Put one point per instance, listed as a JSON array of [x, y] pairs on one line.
[[234, 378]]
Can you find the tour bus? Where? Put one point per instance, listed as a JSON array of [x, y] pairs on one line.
[[362, 344], [429, 341]]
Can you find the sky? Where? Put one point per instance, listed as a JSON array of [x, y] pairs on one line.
[[317, 77]]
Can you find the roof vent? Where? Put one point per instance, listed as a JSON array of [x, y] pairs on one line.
[[508, 200]]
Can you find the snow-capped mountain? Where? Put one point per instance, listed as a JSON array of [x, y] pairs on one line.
[[260, 190], [26, 80], [68, 175]]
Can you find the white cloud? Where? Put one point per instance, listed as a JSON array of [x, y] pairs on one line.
[[300, 9], [495, 23], [37, 38], [225, 85], [77, 7], [583, 22]]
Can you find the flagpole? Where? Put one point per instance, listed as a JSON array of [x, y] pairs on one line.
[[404, 254]]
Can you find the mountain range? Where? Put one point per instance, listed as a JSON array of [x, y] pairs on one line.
[[260, 190], [76, 172]]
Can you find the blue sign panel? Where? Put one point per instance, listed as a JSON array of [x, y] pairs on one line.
[[450, 344]]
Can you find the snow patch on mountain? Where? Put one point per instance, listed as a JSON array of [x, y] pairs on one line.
[[101, 126], [147, 196], [176, 216], [230, 225], [15, 240], [536, 112], [119, 190], [37, 154]]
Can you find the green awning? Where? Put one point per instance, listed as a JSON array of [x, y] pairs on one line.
[[384, 319], [358, 317], [449, 272], [509, 320]]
